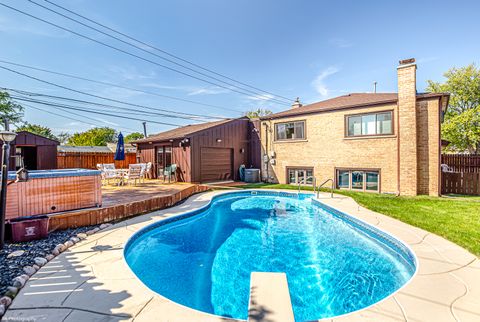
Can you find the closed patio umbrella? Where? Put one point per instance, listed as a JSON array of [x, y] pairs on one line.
[[120, 152]]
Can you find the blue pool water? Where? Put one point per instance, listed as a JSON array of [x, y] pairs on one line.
[[334, 264]]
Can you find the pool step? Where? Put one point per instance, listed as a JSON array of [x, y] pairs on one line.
[[269, 298]]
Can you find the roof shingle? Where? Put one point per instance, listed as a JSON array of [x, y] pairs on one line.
[[181, 132], [346, 101]]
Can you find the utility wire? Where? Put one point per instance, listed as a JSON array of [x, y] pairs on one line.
[[73, 119], [126, 52], [117, 86], [110, 99], [76, 106], [115, 107], [161, 50], [149, 52], [101, 113]]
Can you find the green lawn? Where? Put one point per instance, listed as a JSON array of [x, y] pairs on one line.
[[457, 218]]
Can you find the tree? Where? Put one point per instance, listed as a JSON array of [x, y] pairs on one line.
[[98, 136], [133, 136], [463, 131], [63, 137], [258, 113], [463, 84], [462, 120], [37, 129], [9, 110]]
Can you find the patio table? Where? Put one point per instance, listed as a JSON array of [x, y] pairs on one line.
[[121, 174]]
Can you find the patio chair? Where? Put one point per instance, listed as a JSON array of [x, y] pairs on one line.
[[134, 173], [148, 170], [108, 172], [169, 172], [142, 174]]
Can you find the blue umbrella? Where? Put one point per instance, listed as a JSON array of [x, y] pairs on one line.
[[120, 152]]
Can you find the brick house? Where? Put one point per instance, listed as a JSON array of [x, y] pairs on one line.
[[379, 142]]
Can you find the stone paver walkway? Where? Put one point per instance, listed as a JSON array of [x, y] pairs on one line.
[[92, 282]]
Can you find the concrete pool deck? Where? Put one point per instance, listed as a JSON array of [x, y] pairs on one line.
[[92, 282]]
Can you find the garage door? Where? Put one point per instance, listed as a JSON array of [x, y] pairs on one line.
[[215, 164]]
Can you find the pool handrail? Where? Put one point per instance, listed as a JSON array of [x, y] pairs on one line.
[[321, 185]]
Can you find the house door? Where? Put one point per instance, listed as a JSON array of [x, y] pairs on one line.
[[26, 156], [163, 159]]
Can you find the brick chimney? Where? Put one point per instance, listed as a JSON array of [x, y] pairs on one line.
[[407, 127], [297, 103]]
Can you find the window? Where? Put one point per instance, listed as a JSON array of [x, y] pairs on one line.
[[290, 131], [302, 176], [360, 180], [370, 124]]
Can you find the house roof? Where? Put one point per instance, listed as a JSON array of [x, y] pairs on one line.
[[352, 100], [181, 132]]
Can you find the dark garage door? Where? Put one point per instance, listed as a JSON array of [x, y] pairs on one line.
[[215, 164]]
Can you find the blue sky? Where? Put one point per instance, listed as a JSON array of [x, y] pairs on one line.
[[311, 49]]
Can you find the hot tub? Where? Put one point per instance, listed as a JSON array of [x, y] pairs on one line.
[[51, 191]]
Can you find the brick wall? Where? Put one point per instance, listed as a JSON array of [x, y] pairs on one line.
[[407, 121], [327, 148], [428, 149]]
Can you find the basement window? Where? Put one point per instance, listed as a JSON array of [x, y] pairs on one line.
[[369, 124], [358, 180]]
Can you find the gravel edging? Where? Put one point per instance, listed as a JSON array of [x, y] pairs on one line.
[[15, 271]]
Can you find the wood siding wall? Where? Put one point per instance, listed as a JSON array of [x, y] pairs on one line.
[[68, 160], [233, 135], [255, 145], [46, 150], [462, 162], [50, 195], [180, 156]]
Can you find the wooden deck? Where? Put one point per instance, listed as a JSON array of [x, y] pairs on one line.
[[126, 201]]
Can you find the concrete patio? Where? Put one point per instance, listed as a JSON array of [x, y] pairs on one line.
[[92, 282]]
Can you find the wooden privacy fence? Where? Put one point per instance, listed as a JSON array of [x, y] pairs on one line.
[[462, 162], [463, 183], [89, 160]]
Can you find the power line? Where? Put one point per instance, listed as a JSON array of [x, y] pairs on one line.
[[111, 108], [186, 115], [149, 52], [128, 53], [71, 118], [83, 102], [87, 111], [161, 50], [116, 85]]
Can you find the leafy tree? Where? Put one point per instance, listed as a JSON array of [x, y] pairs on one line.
[[463, 131], [63, 137], [37, 129], [258, 113], [463, 84], [98, 136], [9, 110], [462, 120], [133, 136]]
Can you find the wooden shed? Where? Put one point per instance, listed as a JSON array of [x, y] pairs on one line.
[[37, 152], [204, 152]]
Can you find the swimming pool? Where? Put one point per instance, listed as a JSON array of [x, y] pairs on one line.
[[335, 264]]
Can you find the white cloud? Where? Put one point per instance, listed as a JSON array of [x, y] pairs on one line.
[[340, 43], [319, 82], [207, 91]]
